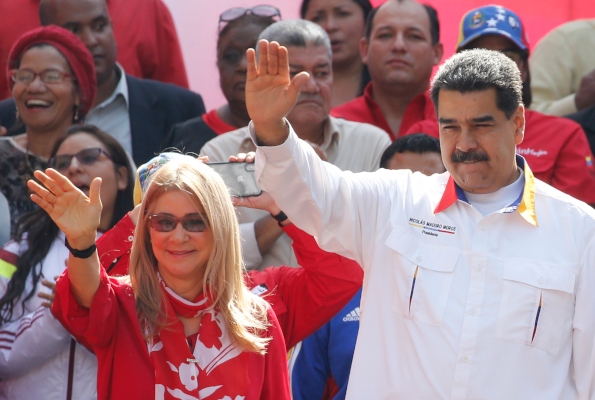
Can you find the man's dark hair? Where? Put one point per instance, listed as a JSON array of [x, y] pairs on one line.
[[434, 23], [432, 15], [477, 70], [418, 143], [524, 54], [365, 5]]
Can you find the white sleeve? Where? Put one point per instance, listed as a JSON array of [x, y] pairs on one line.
[[583, 333], [337, 207], [252, 256], [30, 341]]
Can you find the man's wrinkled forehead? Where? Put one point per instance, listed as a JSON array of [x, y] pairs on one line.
[[302, 57]]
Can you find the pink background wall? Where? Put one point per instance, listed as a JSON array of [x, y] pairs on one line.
[[196, 21]]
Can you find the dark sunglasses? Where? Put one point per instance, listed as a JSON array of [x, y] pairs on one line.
[[237, 12], [85, 157], [167, 223]]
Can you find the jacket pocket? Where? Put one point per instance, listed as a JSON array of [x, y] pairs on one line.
[[536, 305], [423, 276]]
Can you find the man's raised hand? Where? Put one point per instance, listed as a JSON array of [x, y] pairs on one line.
[[270, 91]]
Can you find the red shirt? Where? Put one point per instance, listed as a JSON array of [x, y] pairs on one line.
[[556, 149], [124, 367], [303, 298], [365, 109], [144, 30]]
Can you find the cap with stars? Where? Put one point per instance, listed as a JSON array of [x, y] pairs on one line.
[[494, 20]]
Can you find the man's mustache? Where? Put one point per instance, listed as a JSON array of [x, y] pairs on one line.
[[469, 156]]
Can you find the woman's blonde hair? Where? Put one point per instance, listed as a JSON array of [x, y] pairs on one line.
[[245, 314]]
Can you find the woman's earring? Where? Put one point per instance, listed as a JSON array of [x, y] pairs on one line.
[[76, 114]]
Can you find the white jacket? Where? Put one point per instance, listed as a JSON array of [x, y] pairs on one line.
[[455, 305], [35, 349]]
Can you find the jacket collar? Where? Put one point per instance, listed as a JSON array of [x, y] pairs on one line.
[[524, 205]]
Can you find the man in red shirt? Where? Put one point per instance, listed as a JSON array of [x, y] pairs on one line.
[[400, 48], [556, 148], [147, 40]]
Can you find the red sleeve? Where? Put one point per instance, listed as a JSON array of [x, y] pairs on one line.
[[276, 376], [306, 298], [574, 173], [93, 327], [113, 247], [170, 62]]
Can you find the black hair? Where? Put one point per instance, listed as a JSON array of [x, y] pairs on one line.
[[246, 19], [365, 5], [418, 143], [432, 15], [434, 23], [479, 69], [40, 231]]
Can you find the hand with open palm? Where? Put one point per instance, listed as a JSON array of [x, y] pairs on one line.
[[75, 214], [270, 91]]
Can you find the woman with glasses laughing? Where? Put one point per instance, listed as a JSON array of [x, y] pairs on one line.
[[52, 78], [38, 358], [183, 324]]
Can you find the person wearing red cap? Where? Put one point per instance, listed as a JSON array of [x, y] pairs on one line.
[[556, 148], [52, 78]]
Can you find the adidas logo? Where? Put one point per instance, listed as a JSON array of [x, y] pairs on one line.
[[352, 316]]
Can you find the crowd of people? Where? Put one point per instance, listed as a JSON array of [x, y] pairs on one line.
[[417, 237]]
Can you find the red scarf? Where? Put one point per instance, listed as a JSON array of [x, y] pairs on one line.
[[215, 370]]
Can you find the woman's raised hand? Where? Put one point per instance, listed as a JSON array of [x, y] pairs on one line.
[[75, 214], [270, 91]]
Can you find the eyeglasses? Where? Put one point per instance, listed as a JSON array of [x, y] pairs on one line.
[[238, 12], [50, 76], [85, 157], [167, 223]]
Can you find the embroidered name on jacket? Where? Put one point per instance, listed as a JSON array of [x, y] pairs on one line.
[[432, 228]]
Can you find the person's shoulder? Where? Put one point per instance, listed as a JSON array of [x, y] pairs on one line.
[[7, 103], [192, 125], [563, 203], [582, 116], [232, 137], [577, 29], [550, 124], [358, 128], [221, 147], [159, 88]]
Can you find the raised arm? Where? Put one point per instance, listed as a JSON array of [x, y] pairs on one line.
[[78, 217], [270, 91]]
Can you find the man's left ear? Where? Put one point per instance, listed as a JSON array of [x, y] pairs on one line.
[[519, 121], [438, 53], [122, 177]]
